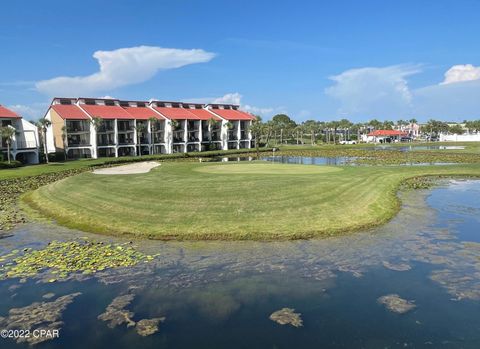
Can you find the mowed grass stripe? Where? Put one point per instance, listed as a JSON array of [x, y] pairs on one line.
[[194, 201]]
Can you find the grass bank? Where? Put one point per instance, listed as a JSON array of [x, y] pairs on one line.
[[234, 201], [16, 181]]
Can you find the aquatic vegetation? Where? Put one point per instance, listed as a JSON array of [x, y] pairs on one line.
[[419, 182], [398, 305], [64, 257], [48, 295], [37, 316], [146, 327], [397, 266], [116, 314], [287, 316], [12, 188]]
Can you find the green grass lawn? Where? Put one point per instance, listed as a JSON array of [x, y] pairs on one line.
[[233, 200]]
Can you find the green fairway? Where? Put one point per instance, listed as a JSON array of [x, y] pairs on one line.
[[232, 201]]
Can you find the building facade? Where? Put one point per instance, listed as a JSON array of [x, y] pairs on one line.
[[25, 143], [93, 127]]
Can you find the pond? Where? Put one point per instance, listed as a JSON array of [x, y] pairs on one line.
[[415, 282], [301, 160]]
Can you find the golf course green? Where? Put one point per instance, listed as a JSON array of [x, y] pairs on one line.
[[234, 201]]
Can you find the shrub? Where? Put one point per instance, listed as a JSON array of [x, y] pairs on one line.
[[12, 164]]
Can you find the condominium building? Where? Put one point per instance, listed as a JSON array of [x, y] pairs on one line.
[[24, 144], [94, 127]]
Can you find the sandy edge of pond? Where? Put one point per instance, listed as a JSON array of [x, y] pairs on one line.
[[139, 167]]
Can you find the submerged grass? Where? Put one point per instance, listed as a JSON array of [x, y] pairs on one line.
[[257, 201]]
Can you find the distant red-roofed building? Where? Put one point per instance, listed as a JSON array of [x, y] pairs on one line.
[[385, 136], [24, 145]]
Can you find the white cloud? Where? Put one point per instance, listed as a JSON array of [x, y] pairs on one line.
[[460, 73], [229, 98], [122, 67], [384, 93], [30, 112], [373, 90], [236, 98], [256, 110]]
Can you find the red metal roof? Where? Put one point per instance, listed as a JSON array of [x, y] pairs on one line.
[[203, 114], [7, 113], [377, 133], [107, 111], [177, 113], [142, 113], [69, 112], [231, 114]]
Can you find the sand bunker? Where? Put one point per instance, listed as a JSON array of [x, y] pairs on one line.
[[135, 168]]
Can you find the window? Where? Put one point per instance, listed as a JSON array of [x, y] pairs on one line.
[[65, 101], [198, 106], [90, 102], [141, 105], [235, 107], [214, 106], [110, 103], [124, 104], [161, 105], [175, 105]]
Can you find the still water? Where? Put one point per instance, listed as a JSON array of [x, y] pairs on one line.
[[221, 294]]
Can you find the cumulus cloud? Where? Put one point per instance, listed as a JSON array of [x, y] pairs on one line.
[[229, 98], [122, 67], [373, 90], [460, 73], [236, 98], [384, 93]]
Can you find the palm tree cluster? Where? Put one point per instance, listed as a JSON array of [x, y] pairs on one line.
[[283, 130]]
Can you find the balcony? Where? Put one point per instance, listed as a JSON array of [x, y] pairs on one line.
[[158, 137], [215, 137], [25, 144], [77, 127], [232, 136], [103, 142], [128, 141], [106, 127], [78, 143], [125, 126], [144, 140]]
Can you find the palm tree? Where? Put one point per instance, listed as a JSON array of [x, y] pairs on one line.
[[140, 128], [64, 141], [334, 125], [153, 122], [211, 123], [97, 123], [7, 134], [256, 129], [43, 125]]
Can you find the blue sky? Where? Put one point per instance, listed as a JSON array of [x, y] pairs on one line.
[[311, 59]]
